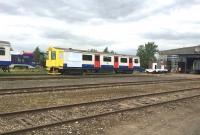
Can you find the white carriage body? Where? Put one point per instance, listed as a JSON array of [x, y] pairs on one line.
[[122, 63], [5, 55], [73, 59], [136, 61], [108, 62], [88, 61]]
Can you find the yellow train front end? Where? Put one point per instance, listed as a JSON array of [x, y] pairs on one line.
[[55, 60]]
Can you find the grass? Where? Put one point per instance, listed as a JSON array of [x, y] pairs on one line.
[[23, 72]]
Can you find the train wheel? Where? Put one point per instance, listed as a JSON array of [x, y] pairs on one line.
[[54, 71], [4, 69]]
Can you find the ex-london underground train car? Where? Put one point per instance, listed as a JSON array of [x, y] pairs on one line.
[[67, 60], [22, 59], [5, 57]]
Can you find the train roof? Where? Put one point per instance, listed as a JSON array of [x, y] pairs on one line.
[[5, 43], [16, 52], [87, 51]]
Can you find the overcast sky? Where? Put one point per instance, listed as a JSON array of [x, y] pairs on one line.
[[122, 25]]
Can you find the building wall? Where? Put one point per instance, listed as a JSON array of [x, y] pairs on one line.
[[180, 63]]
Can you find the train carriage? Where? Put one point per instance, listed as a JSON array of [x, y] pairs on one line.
[[22, 59], [5, 56], [88, 64], [67, 60], [106, 63], [136, 64]]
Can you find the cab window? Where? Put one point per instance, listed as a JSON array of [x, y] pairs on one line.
[[53, 55], [47, 58], [2, 51]]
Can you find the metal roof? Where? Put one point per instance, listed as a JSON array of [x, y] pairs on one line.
[[4, 43], [87, 51], [185, 51]]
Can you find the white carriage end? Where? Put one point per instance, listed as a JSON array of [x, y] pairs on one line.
[[73, 59]]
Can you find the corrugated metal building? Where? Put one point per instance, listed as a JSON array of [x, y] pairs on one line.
[[181, 59]]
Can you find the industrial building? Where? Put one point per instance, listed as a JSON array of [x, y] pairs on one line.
[[181, 60]]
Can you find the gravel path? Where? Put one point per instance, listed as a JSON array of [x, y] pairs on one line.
[[181, 118], [175, 119], [58, 82], [37, 100]]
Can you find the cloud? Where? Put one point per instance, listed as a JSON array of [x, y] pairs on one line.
[[85, 10], [69, 38], [8, 8], [120, 25], [172, 35], [109, 9], [73, 11]]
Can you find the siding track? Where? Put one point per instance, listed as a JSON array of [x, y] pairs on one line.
[[85, 86], [48, 77], [37, 119]]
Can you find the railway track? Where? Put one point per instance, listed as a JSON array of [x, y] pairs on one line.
[[85, 86], [48, 77], [37, 119]]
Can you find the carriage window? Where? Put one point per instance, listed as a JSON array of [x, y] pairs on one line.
[[107, 59], [87, 57], [2, 51], [97, 58], [27, 58], [53, 55], [123, 60], [130, 60], [116, 59], [61, 56], [136, 61]]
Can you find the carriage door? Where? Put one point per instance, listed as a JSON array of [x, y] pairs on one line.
[[130, 63], [97, 61], [116, 62]]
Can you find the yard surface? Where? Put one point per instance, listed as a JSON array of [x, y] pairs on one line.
[[174, 119], [178, 118]]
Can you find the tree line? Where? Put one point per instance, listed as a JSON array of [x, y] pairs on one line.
[[105, 50]]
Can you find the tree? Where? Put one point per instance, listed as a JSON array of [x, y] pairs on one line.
[[112, 52], [43, 57], [37, 53], [106, 50], [93, 50], [146, 53]]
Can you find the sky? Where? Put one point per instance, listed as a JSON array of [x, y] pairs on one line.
[[120, 25]]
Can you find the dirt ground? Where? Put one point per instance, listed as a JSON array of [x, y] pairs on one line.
[[39, 100], [58, 82], [180, 119]]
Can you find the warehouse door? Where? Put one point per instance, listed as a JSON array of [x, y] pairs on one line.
[[181, 67], [130, 65], [116, 62], [97, 61]]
